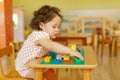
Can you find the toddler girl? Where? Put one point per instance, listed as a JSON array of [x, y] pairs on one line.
[[46, 26]]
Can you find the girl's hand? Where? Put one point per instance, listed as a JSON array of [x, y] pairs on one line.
[[78, 54]]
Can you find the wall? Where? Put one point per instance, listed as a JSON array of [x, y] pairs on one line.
[[113, 14], [65, 5]]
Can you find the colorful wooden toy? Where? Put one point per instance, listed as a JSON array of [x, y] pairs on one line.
[[64, 59], [73, 47], [68, 61], [57, 61], [47, 59]]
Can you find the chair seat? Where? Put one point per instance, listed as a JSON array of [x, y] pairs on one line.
[[110, 42], [13, 74], [105, 41]]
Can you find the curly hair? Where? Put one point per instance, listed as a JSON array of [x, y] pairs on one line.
[[44, 14]]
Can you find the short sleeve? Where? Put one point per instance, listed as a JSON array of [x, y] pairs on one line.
[[40, 34]]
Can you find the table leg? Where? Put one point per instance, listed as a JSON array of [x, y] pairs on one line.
[[115, 47], [86, 74], [38, 74], [56, 73]]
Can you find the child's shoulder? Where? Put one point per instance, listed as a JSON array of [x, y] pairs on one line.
[[40, 33]]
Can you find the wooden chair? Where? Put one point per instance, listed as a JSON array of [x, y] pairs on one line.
[[17, 45], [103, 37], [92, 43], [9, 52]]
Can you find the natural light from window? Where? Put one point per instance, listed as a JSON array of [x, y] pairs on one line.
[[15, 20]]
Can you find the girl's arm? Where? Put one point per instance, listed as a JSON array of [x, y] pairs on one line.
[[57, 47]]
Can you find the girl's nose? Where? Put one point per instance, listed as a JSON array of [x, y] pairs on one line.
[[57, 29]]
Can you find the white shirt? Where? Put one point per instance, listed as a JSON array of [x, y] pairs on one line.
[[29, 51]]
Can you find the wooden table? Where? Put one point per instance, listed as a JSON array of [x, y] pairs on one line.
[[90, 63], [67, 39], [115, 44]]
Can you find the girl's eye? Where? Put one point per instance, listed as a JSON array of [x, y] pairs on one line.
[[54, 26], [58, 27]]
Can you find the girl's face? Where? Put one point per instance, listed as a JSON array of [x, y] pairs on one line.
[[52, 27]]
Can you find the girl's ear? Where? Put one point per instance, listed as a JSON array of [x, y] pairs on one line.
[[41, 25]]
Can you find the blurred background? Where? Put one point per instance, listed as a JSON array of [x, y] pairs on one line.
[[71, 10], [86, 19]]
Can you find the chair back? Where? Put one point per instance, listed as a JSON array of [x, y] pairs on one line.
[[17, 45], [103, 34], [8, 52], [92, 43]]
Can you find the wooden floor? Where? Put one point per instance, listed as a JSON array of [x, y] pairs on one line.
[[108, 69]]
